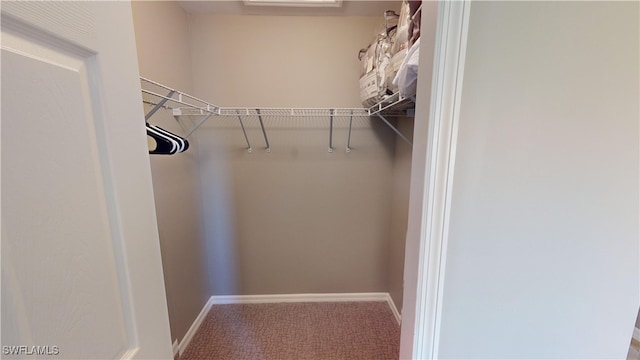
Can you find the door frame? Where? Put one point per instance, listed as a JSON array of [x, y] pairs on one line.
[[434, 149]]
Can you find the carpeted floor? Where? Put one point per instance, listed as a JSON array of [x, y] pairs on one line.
[[340, 330]]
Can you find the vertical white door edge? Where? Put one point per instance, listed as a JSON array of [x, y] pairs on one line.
[[420, 333]]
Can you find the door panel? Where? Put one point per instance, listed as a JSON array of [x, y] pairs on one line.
[[56, 209], [77, 209]]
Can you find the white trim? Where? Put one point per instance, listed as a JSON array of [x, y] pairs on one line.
[[289, 298], [176, 348], [636, 334], [195, 326], [282, 298], [394, 309], [451, 37], [279, 298]]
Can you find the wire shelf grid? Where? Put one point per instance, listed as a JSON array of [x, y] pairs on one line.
[[184, 107]]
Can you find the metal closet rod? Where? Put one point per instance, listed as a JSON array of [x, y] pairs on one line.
[[194, 106]]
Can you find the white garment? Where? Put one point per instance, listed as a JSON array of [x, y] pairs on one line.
[[407, 77]]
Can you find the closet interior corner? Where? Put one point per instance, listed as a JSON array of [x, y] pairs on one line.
[[299, 126]]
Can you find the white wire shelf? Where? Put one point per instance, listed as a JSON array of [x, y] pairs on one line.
[[185, 107], [173, 98], [294, 112], [393, 105]]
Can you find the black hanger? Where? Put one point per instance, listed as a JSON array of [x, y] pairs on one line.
[[183, 144], [166, 143]]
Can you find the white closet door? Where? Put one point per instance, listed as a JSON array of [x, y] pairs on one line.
[[81, 269]]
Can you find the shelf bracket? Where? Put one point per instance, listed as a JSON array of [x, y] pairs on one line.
[[266, 140], [349, 136], [394, 129], [159, 105], [331, 112], [244, 131], [202, 121], [176, 115]]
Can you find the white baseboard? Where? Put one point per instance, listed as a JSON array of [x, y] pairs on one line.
[[176, 348], [194, 327], [283, 298], [394, 309], [280, 298], [338, 297]]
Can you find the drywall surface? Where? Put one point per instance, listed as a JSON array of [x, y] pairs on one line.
[[298, 219], [164, 56], [542, 257], [400, 211], [162, 39]]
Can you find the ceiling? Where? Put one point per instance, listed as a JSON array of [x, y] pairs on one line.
[[348, 8]]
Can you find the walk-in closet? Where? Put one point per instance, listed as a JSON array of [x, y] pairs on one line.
[[295, 184], [255, 180]]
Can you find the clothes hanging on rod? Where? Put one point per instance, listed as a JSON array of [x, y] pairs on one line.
[[167, 143]]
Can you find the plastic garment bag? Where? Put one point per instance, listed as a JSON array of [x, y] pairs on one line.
[[407, 77]]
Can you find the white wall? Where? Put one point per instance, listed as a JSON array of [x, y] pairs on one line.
[[162, 41], [279, 61], [298, 219], [542, 257], [399, 211]]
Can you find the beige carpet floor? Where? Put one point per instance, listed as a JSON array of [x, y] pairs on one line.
[[340, 330]]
